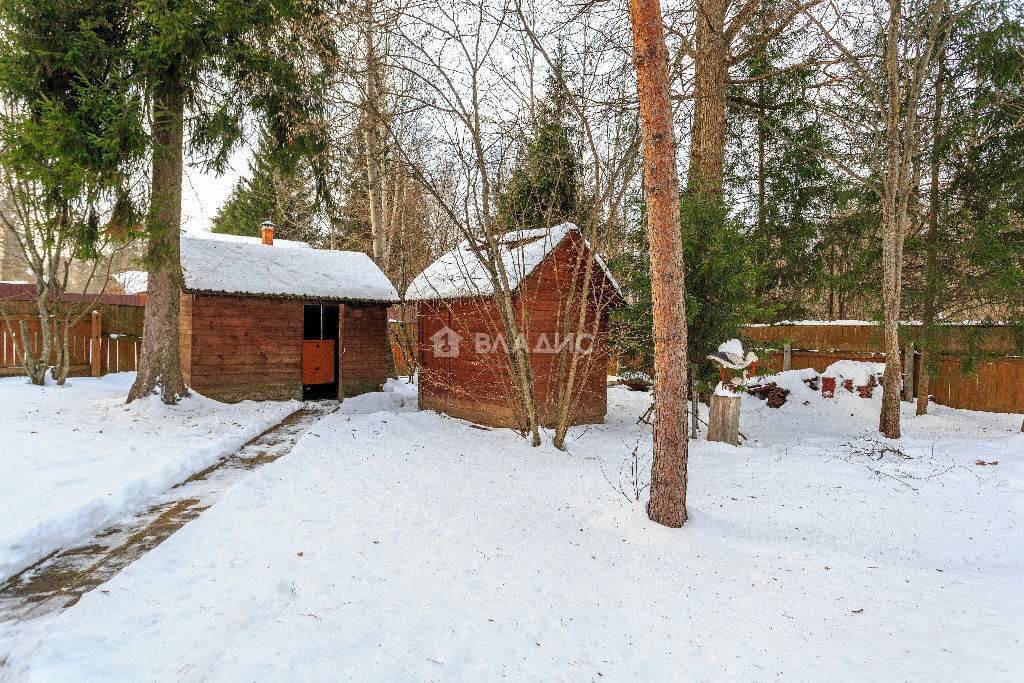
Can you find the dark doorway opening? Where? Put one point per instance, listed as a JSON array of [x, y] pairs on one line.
[[320, 352]]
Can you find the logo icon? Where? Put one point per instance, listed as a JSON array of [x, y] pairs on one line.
[[446, 343]]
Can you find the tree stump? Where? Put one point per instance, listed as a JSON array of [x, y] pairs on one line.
[[724, 420]]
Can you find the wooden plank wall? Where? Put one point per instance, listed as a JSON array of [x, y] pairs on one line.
[[552, 298], [242, 347], [236, 348], [478, 386], [997, 385], [364, 344]]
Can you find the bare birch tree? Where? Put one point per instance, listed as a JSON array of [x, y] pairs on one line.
[[454, 54], [887, 57], [59, 247], [880, 56], [605, 111]]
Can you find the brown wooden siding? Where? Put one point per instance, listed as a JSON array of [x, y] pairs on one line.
[[251, 347], [364, 348], [478, 386]]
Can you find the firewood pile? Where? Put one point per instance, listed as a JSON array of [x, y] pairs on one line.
[[770, 392]]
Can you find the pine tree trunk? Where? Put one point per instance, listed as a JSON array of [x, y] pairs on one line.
[[710, 74], [160, 357], [668, 470]]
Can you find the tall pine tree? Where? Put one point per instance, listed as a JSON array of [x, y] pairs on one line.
[[202, 67]]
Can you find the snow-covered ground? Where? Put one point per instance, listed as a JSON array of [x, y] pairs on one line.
[[74, 459], [393, 544]]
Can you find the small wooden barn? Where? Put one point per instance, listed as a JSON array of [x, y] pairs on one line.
[[464, 361], [277, 320]]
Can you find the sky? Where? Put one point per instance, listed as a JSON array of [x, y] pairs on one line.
[[203, 193]]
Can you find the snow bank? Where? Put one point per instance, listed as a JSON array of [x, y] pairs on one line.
[[722, 390], [395, 544], [251, 267], [76, 459], [459, 273], [858, 371]]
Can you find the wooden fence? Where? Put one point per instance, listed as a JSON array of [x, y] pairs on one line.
[[105, 341], [395, 328], [996, 385]]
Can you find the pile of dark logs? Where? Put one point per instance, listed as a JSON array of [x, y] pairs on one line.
[[770, 392]]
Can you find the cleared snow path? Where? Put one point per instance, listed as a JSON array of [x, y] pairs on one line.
[[75, 459], [62, 578]]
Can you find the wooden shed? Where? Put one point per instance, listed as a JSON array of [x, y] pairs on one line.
[[280, 320], [465, 368]]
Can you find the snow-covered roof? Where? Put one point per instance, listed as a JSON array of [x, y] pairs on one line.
[[460, 274], [244, 265]]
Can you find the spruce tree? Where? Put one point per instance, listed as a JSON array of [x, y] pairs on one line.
[[72, 117], [202, 68], [205, 67], [544, 189], [967, 260], [790, 192], [722, 283], [271, 193]]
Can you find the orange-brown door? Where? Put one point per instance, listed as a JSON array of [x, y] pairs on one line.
[[318, 361]]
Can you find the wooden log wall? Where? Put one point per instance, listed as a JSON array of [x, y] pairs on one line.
[[236, 347], [364, 344], [478, 385]]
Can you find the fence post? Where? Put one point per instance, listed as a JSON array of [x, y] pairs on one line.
[[908, 373], [94, 346], [787, 357]]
